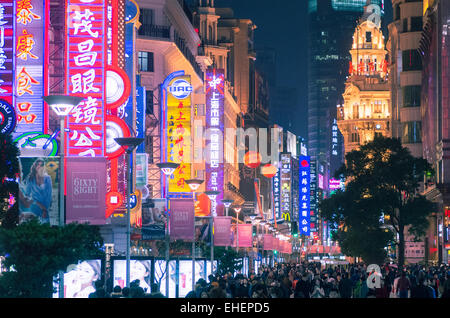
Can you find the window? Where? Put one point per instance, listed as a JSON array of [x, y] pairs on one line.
[[416, 24], [411, 60], [354, 137], [378, 107], [378, 135], [149, 102], [368, 36], [146, 63], [411, 96], [412, 132], [355, 111], [146, 17]]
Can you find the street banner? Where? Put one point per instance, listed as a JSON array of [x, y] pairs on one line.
[[245, 235], [268, 242], [222, 231], [39, 189], [153, 219], [181, 226], [86, 190]]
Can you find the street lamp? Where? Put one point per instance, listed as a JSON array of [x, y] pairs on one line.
[[212, 196], [227, 203], [193, 184], [62, 105], [237, 210], [168, 168], [129, 144]]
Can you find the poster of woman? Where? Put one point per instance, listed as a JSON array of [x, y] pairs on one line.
[[38, 189]]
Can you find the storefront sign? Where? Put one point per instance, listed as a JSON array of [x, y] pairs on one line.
[[305, 178]]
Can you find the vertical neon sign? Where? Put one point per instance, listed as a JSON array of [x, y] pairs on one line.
[[85, 76], [305, 178], [29, 68], [286, 187], [276, 195], [215, 99]]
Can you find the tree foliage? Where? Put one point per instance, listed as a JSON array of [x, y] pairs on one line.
[[228, 260], [9, 170], [383, 179], [35, 253]]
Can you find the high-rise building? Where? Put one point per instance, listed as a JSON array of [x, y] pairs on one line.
[[330, 24], [366, 112]]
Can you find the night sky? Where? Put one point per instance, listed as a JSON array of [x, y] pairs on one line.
[[282, 25]]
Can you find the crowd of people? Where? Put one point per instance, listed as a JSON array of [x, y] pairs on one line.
[[313, 280]]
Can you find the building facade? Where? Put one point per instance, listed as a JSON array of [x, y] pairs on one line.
[[366, 111]]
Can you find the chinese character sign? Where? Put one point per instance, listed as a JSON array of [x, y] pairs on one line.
[[179, 131], [286, 182], [29, 68], [334, 138], [305, 178], [85, 76], [314, 196], [7, 16], [215, 99], [276, 186]]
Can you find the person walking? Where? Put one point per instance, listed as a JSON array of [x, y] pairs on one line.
[[403, 285]]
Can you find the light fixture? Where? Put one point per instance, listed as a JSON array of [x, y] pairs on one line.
[[62, 105], [168, 168], [129, 143], [194, 184], [227, 203], [212, 194]]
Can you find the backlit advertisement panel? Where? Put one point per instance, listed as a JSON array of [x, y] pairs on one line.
[[85, 76], [139, 269], [286, 183], [39, 189], [79, 280]]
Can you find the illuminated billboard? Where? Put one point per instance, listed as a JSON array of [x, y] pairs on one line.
[[85, 76], [285, 191], [178, 131], [215, 100]]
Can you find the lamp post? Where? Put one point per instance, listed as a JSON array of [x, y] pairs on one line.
[[227, 203], [212, 196], [193, 184], [168, 168], [62, 105], [237, 210], [129, 144]]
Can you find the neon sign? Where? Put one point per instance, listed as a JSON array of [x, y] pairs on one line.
[[29, 57], [286, 186], [85, 76], [334, 138], [215, 81], [276, 194], [305, 178]]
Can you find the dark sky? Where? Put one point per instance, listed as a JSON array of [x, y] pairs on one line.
[[283, 25]]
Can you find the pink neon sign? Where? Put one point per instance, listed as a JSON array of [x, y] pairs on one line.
[[85, 76]]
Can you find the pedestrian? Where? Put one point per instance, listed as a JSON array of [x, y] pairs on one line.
[[117, 292], [345, 286], [403, 285], [317, 291], [155, 291]]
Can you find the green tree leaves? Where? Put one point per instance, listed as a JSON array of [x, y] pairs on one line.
[[382, 181]]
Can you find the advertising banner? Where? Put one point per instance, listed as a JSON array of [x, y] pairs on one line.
[[141, 170], [215, 102], [245, 235], [86, 190], [222, 231], [181, 226], [139, 269], [39, 189], [268, 242], [202, 206], [153, 219], [286, 186]]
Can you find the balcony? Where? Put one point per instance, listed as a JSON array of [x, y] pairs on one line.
[[155, 31]]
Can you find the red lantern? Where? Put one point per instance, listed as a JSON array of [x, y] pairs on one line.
[[269, 171], [252, 159]]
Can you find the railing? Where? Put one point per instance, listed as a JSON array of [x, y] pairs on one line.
[[155, 31], [180, 43]]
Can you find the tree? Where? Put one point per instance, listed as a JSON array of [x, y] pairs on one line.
[[383, 181], [9, 170], [36, 252], [227, 260]]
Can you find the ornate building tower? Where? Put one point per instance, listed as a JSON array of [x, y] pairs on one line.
[[366, 112]]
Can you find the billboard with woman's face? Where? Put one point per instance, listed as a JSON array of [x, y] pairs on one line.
[[80, 279], [139, 269], [39, 189]]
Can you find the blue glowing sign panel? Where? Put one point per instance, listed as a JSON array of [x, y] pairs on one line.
[[305, 178]]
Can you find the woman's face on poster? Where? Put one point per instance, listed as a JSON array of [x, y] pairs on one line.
[[40, 169], [138, 270], [86, 273]]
